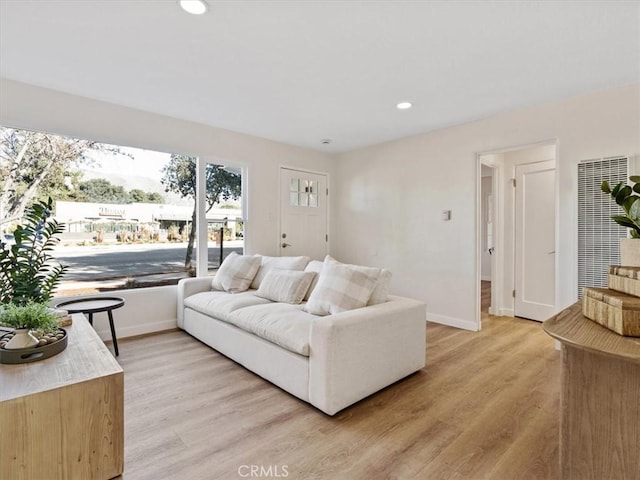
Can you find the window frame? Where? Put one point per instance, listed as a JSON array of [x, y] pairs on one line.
[[202, 239]]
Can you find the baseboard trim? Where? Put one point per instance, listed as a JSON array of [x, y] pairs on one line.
[[506, 312], [135, 330], [452, 322]]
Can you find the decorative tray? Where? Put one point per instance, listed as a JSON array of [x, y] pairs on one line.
[[33, 354]]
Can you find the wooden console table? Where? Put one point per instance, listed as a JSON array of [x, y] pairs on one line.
[[600, 399], [63, 417]]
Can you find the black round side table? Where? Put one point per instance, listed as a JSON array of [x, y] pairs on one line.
[[91, 305]]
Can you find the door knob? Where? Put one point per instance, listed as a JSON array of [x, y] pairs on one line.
[[285, 245]]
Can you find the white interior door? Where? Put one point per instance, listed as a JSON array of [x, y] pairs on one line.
[[535, 240], [303, 214]]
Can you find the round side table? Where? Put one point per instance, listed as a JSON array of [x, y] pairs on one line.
[[91, 305]]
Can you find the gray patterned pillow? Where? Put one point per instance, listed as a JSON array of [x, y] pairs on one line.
[[236, 273], [342, 287]]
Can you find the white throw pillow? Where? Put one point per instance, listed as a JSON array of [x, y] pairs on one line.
[[236, 273], [342, 287], [287, 286], [314, 266], [281, 263], [381, 291]]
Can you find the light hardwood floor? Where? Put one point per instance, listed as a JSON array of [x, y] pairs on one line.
[[485, 296], [484, 407]]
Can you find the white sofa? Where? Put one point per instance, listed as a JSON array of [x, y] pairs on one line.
[[329, 361]]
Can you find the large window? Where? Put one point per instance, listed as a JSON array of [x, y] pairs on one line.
[[129, 213]]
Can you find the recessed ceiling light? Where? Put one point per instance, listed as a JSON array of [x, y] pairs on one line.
[[195, 7], [403, 105]]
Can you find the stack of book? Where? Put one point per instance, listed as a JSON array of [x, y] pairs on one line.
[[617, 307], [64, 319]]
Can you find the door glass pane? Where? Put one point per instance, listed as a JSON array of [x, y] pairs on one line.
[[303, 193]]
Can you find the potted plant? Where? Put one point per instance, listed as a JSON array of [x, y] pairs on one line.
[[30, 322], [28, 277], [627, 196], [27, 272]]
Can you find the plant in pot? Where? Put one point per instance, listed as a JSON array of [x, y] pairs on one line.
[[28, 275], [31, 322], [627, 196]]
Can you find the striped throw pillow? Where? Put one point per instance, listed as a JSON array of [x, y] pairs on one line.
[[287, 286]]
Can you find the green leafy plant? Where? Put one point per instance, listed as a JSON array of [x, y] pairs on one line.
[[27, 272], [32, 315], [627, 197]]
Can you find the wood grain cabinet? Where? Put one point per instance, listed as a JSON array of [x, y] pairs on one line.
[[600, 399], [63, 417]]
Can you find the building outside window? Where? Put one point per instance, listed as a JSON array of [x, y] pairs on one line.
[[128, 212]]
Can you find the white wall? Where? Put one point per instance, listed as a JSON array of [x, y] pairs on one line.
[[29, 107], [388, 198]]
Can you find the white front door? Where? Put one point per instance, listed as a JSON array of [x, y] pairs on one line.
[[535, 224], [303, 214]]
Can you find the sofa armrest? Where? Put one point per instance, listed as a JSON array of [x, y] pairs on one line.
[[188, 287], [356, 353]]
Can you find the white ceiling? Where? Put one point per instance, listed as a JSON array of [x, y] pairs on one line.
[[300, 71]]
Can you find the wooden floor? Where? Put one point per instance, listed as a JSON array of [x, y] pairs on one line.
[[485, 296], [485, 407]]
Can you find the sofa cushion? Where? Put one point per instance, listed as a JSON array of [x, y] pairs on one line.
[[236, 273], [280, 323], [281, 263], [221, 304], [287, 286], [342, 287]]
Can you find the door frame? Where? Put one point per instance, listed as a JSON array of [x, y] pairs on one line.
[[302, 170], [499, 183]]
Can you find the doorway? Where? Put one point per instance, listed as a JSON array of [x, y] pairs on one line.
[[303, 214], [487, 238], [516, 234]]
